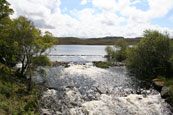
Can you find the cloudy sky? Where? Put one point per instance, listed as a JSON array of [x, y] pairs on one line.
[[97, 18]]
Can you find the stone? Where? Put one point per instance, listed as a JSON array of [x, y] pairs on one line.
[[70, 87], [73, 103], [58, 113], [164, 92], [45, 112], [158, 85]]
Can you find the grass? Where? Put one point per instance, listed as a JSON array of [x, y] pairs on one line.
[[101, 64], [15, 99]]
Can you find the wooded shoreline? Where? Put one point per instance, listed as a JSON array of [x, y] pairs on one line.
[[94, 41]]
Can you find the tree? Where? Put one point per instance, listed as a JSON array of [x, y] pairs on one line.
[[5, 11], [150, 58], [120, 55], [110, 53], [31, 43], [6, 57], [24, 44], [121, 43]]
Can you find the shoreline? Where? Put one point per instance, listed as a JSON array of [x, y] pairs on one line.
[[100, 64]]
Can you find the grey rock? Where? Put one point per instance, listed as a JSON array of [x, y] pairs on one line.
[[45, 112], [158, 85], [70, 87], [164, 92]]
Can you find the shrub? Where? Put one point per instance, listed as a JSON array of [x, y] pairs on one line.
[[110, 53], [150, 58], [42, 61], [120, 55]]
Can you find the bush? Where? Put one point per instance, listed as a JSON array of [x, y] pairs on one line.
[[42, 61], [150, 58], [171, 62], [120, 55], [110, 53], [101, 64]]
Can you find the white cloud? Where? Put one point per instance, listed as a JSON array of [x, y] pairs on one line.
[[159, 8], [105, 4], [47, 15]]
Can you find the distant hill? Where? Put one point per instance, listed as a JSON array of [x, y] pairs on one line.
[[94, 41]]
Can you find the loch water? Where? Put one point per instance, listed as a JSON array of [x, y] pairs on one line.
[[83, 89], [78, 53]]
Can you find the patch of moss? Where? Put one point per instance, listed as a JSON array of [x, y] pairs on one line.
[[102, 64]]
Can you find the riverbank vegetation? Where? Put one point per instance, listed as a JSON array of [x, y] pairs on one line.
[[149, 59], [22, 49], [107, 64], [120, 54], [14, 97]]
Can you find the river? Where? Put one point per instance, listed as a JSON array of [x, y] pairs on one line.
[[83, 89]]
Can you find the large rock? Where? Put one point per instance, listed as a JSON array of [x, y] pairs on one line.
[[158, 84], [164, 92]]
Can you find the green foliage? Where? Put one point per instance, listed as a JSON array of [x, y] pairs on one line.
[[14, 98], [170, 99], [171, 62], [101, 64], [4, 9], [110, 53], [21, 42], [42, 61], [122, 44], [119, 55], [107, 64], [150, 58], [28, 43], [8, 55], [5, 23]]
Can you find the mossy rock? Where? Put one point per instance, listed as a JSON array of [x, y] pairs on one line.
[[101, 64], [158, 84]]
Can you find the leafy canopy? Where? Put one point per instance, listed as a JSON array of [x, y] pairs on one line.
[[4, 9], [150, 58], [120, 55]]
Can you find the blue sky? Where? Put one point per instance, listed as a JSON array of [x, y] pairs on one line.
[[97, 18]]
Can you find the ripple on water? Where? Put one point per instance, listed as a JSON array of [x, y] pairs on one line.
[[88, 90]]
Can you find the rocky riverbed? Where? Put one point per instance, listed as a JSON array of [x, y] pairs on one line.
[[83, 89]]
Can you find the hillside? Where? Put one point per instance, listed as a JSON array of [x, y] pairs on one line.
[[93, 41]]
